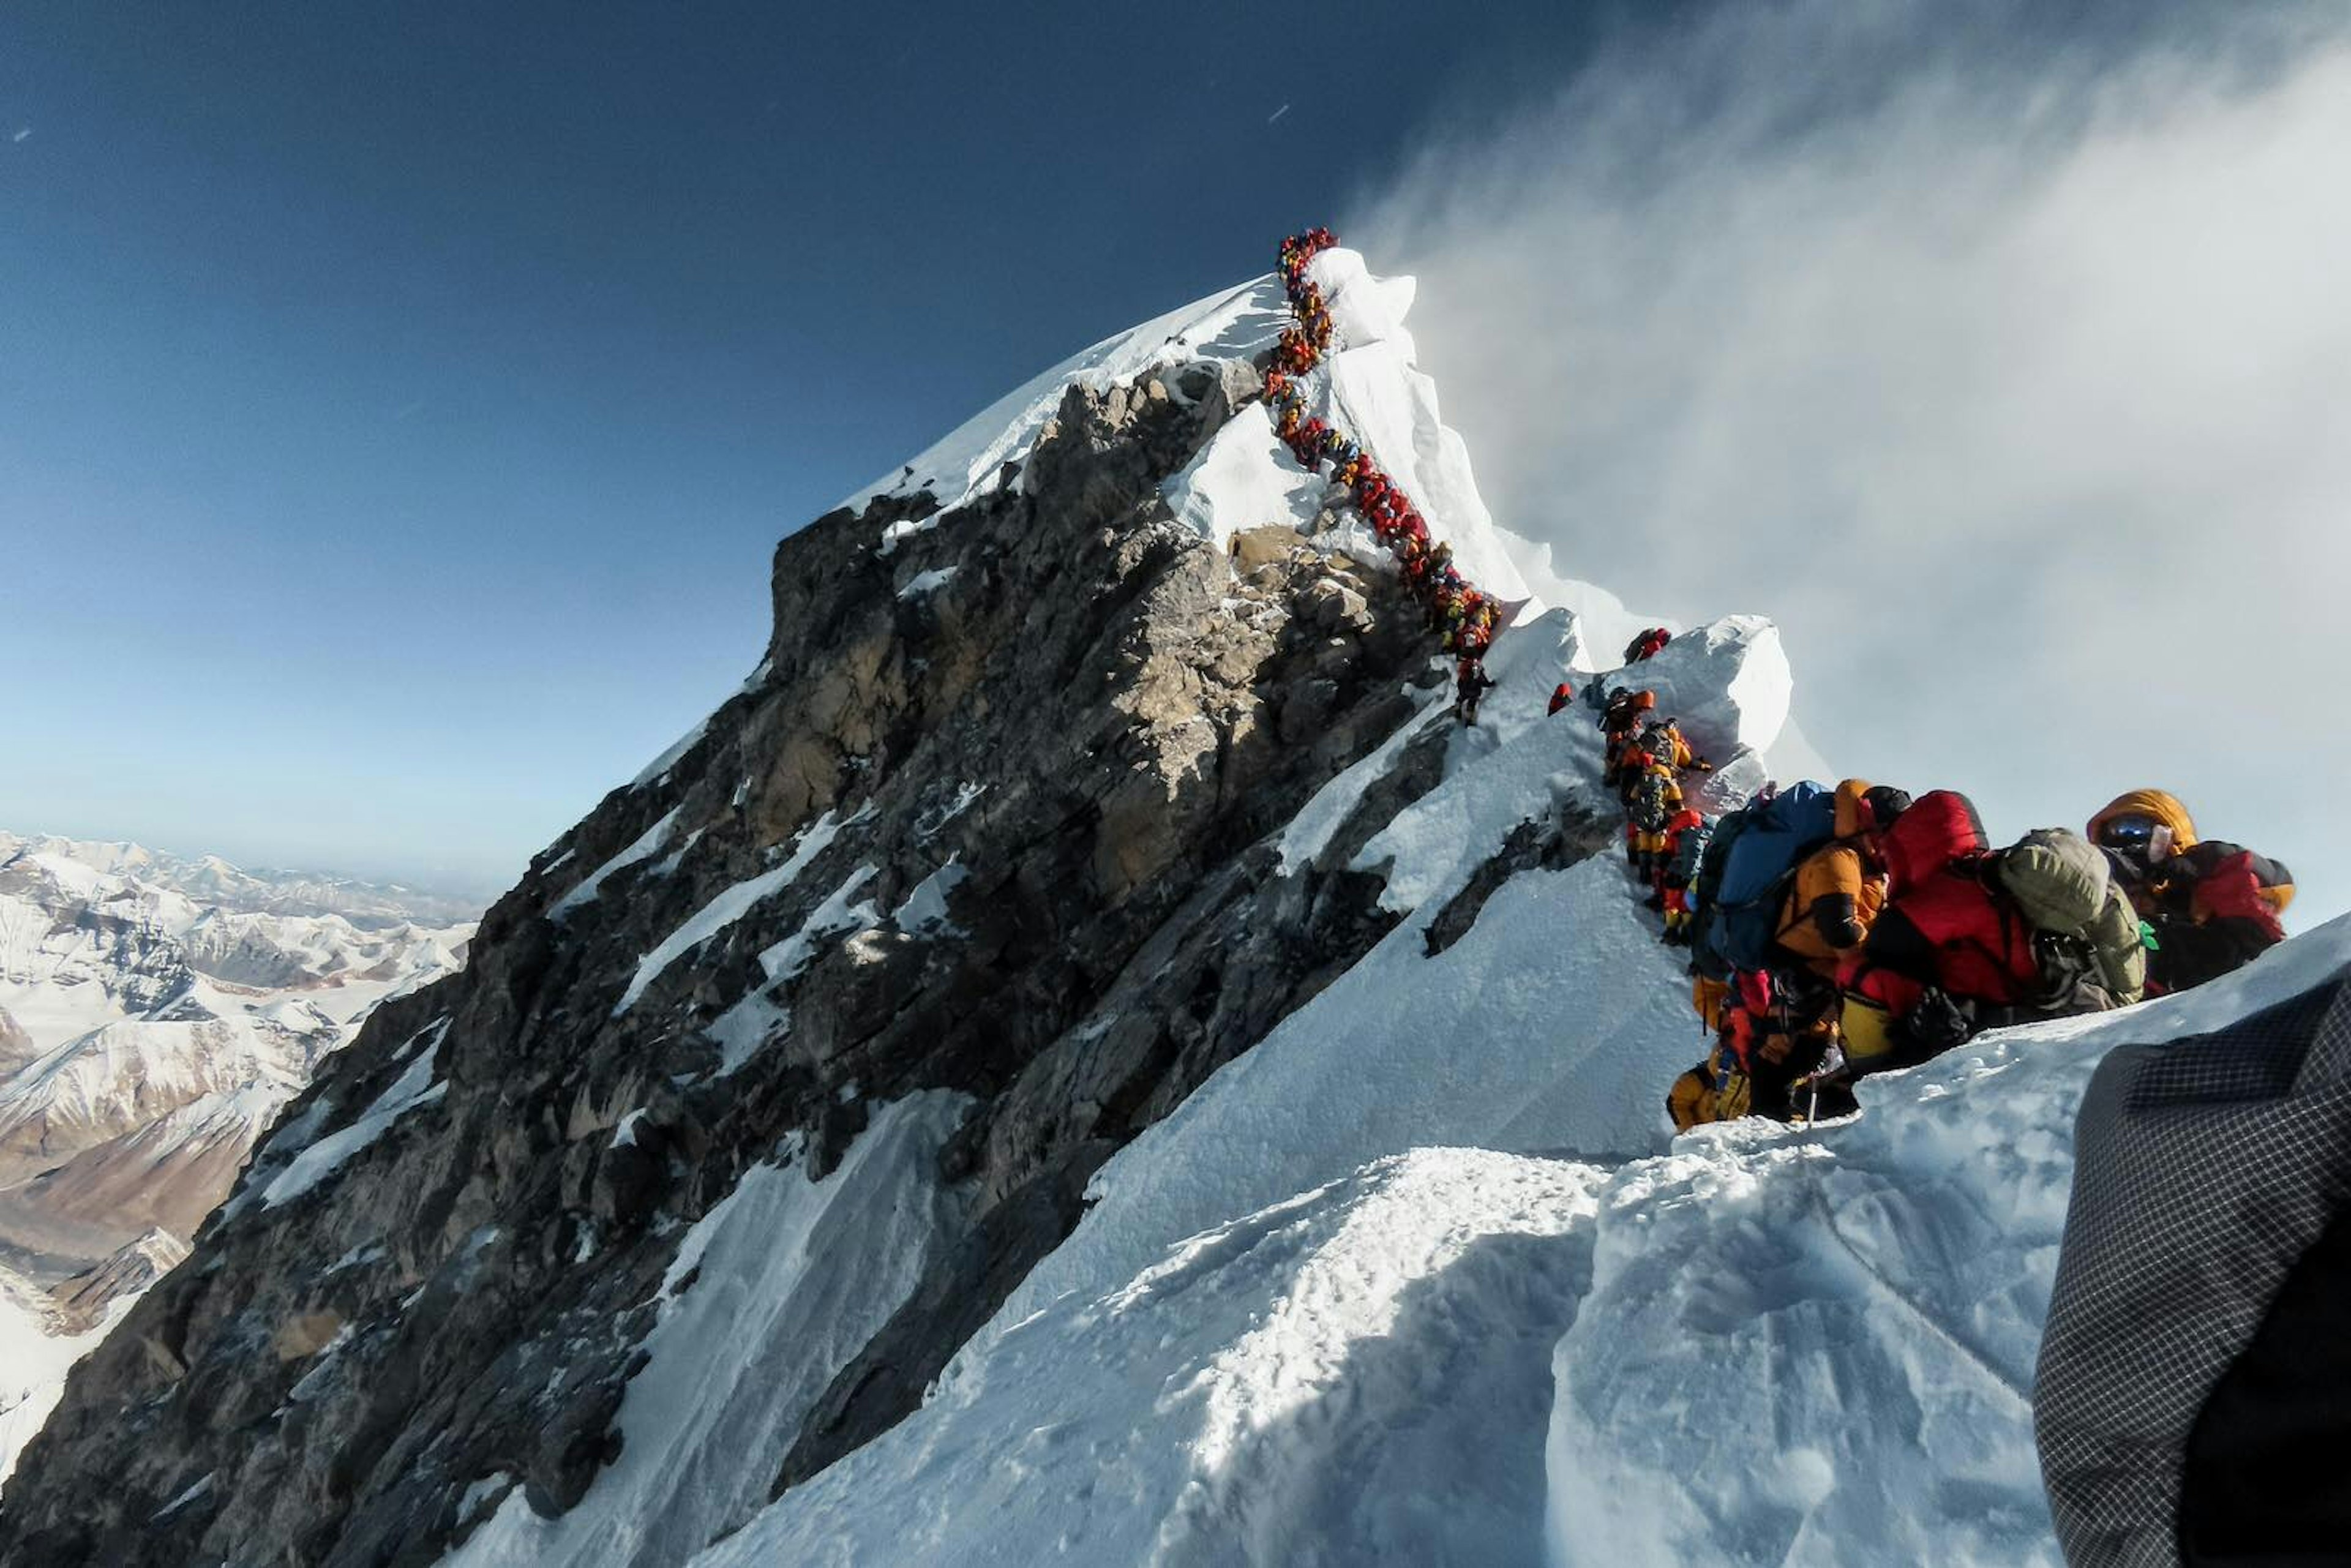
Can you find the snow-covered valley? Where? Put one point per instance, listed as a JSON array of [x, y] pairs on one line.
[[1082, 1059]]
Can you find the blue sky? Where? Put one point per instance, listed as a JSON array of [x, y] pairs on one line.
[[403, 402], [399, 404]]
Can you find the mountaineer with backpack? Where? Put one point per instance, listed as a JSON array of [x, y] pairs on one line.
[[2210, 906], [1749, 872], [2216, 910], [1470, 683], [1647, 646], [1839, 887], [1661, 746], [1687, 833], [1777, 1026], [1619, 722], [1945, 942], [1651, 799], [1970, 940]]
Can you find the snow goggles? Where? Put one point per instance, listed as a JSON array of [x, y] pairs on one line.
[[2129, 832]]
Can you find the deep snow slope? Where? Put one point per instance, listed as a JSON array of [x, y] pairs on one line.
[[1765, 1346]]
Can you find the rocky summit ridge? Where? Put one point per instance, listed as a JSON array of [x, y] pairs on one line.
[[994, 829]]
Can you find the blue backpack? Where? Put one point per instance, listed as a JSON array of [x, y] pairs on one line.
[[1778, 833]]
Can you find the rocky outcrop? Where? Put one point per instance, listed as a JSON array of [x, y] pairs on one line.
[[82, 1299], [990, 818], [16, 1047]]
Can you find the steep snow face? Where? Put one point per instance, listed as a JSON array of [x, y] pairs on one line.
[[1244, 478], [969, 461], [1765, 1346], [1337, 1378], [1372, 390], [1368, 387], [770, 1295]]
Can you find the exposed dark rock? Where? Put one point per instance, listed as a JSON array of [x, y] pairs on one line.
[[1560, 842], [1094, 716]]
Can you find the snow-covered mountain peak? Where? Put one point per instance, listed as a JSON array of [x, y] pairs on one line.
[[1099, 750], [1085, 1058]]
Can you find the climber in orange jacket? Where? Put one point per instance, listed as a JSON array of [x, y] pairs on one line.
[[2210, 906], [1840, 887]]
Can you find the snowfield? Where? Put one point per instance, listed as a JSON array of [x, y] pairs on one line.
[[1766, 1347]]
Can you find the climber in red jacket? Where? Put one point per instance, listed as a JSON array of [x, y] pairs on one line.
[[1647, 645], [1949, 938]]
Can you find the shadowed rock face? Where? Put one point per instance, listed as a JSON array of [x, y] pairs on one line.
[[1094, 719]]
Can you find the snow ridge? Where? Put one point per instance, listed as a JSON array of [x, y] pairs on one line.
[[1422, 1277]]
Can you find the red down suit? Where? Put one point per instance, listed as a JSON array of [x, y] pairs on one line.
[[1943, 924]]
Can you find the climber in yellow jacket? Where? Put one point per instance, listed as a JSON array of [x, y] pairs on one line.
[[1840, 887]]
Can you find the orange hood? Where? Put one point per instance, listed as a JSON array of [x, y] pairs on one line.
[[2164, 808], [1850, 811]]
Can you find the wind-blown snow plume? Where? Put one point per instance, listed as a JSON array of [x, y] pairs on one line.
[[2006, 372]]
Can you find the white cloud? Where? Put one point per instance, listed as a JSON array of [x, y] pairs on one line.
[[2016, 384]]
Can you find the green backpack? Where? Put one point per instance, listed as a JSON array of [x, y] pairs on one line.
[[2063, 886]]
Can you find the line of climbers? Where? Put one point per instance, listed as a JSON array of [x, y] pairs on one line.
[[1833, 932], [1839, 932], [1464, 615]]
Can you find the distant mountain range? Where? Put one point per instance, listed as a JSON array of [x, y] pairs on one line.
[[214, 883], [156, 1013]]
